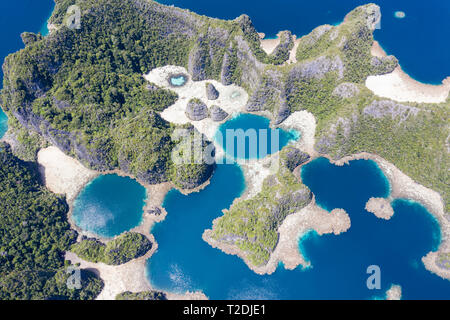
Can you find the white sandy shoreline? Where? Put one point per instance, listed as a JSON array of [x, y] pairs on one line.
[[269, 45], [400, 87], [64, 175]]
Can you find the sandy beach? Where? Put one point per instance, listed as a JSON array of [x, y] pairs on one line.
[[127, 277], [304, 122], [63, 174], [400, 87], [232, 99], [269, 45]]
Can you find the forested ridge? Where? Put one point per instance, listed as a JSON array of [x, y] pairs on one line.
[[34, 234]]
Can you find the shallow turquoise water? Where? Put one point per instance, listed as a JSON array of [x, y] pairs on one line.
[[178, 81], [3, 123], [185, 262], [260, 140], [109, 205]]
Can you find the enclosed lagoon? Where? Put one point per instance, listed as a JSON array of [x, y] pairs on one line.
[[339, 263], [249, 136], [178, 80], [109, 205]]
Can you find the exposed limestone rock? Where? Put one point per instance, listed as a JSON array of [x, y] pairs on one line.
[[211, 92], [217, 113], [373, 17], [383, 108], [294, 157], [196, 110], [198, 60], [154, 211], [380, 207], [317, 68], [226, 72], [346, 90]]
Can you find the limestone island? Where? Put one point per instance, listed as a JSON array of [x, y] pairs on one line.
[[111, 96]]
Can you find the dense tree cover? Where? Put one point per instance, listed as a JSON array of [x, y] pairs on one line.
[[416, 144], [24, 144], [146, 295], [34, 233], [83, 89], [252, 224], [120, 250], [351, 41]]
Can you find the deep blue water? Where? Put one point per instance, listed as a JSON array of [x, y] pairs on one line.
[[339, 263], [109, 205], [419, 41], [260, 140], [16, 17]]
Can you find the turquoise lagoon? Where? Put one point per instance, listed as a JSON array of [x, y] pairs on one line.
[[264, 139], [339, 263], [178, 81], [109, 205]]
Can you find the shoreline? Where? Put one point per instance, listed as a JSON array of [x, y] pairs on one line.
[[403, 187], [399, 86], [293, 228], [295, 225], [63, 174], [268, 45]]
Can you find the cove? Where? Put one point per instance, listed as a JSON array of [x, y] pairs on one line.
[[109, 205], [184, 261], [260, 139], [16, 17], [418, 40]]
